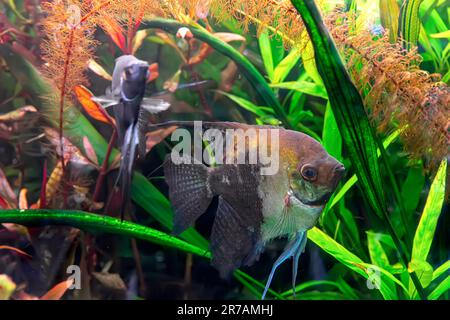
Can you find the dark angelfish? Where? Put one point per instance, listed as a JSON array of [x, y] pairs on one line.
[[255, 208], [131, 110]]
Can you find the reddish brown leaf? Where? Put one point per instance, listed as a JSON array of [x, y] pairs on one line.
[[6, 192], [99, 70], [20, 252], [92, 108], [3, 203], [155, 137], [90, 152], [57, 291], [115, 32], [154, 72], [138, 40], [23, 202]]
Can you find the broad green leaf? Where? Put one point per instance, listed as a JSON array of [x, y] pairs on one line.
[[285, 66], [376, 251], [442, 288], [430, 215], [303, 86], [331, 137], [412, 188], [389, 13], [424, 272]]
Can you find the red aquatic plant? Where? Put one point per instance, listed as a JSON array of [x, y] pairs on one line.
[[397, 93]]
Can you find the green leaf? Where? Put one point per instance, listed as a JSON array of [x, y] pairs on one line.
[[310, 63], [303, 86], [266, 53], [442, 288], [285, 66], [441, 269], [430, 215], [389, 14], [331, 137], [376, 251], [244, 103], [353, 179], [424, 272], [98, 223], [350, 260], [441, 35], [409, 23]]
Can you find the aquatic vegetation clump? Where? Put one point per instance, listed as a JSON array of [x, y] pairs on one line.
[[397, 93]]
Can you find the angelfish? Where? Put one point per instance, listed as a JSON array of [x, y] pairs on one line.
[[131, 109], [254, 208]]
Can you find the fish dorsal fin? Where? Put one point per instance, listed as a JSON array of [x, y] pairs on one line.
[[148, 107]]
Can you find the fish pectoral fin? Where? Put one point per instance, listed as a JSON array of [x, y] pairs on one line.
[[232, 239], [294, 250], [152, 105], [105, 101]]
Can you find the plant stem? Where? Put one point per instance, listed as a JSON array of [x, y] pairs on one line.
[[104, 168]]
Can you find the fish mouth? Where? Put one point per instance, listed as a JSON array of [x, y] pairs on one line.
[[320, 202]]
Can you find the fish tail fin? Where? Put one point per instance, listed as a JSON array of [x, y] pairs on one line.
[[125, 175], [189, 192]]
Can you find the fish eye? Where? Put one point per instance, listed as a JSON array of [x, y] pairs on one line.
[[127, 73], [309, 173]]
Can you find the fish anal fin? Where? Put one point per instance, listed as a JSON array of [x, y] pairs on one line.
[[232, 239]]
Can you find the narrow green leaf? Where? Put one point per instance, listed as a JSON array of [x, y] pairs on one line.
[[266, 53], [98, 223], [244, 103], [409, 23], [441, 35], [303, 86], [430, 215], [442, 288], [285, 66], [441, 269], [350, 260]]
